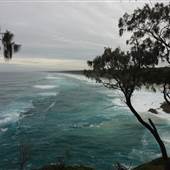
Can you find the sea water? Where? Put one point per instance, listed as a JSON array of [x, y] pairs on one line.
[[54, 116]]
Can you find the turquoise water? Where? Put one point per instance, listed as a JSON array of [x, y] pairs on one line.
[[59, 115]]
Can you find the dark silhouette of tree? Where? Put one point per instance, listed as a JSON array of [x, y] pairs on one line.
[[119, 70], [150, 27], [127, 71], [149, 42], [166, 92], [160, 76], [9, 46]]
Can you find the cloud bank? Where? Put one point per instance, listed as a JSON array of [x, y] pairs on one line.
[[66, 29]]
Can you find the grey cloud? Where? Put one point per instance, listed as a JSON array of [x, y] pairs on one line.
[[56, 29]]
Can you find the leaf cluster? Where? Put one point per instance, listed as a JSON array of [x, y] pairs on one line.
[[9, 46], [149, 41], [151, 28]]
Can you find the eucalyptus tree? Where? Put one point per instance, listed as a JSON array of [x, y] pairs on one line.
[[116, 69], [8, 45], [150, 26], [127, 71]]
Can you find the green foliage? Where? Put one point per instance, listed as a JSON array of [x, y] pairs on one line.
[[149, 42], [150, 27], [127, 71], [9, 46], [116, 69]]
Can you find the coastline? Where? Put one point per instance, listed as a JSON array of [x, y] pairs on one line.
[[76, 72], [154, 105], [143, 100]]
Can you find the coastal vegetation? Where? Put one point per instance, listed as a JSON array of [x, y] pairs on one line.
[[8, 44], [149, 29], [127, 71]]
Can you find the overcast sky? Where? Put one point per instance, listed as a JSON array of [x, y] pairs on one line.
[[64, 29]]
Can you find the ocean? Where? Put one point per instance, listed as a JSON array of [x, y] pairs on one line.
[[54, 116]]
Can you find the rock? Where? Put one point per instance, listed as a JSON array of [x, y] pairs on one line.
[[165, 107], [153, 111], [120, 167], [157, 164]]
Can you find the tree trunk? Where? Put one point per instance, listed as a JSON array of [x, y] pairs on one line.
[[150, 127], [166, 96]]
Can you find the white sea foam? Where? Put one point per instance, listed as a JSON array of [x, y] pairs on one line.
[[50, 77], [95, 125], [142, 155], [166, 140], [45, 86], [48, 94], [3, 129], [142, 100], [13, 111], [7, 118], [80, 77], [50, 106]]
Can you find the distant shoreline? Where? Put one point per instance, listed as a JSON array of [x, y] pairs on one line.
[[68, 71], [153, 110]]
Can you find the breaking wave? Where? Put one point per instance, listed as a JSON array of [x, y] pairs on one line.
[[45, 86]]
